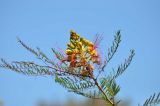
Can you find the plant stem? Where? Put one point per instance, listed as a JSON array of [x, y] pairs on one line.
[[107, 98]]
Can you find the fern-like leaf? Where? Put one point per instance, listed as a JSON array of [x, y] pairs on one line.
[[27, 68], [27, 47], [112, 50], [38, 53], [109, 86], [72, 85], [152, 100], [123, 66]]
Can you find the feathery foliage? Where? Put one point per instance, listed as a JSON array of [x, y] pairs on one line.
[[112, 50], [152, 100], [124, 66]]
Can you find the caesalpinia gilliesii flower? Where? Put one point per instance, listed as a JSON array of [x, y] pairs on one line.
[[81, 54]]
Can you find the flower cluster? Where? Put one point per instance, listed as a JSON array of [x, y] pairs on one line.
[[81, 54]]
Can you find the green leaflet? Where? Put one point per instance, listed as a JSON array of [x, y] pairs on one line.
[[110, 86], [27, 68], [112, 50], [152, 100], [124, 66], [70, 84]]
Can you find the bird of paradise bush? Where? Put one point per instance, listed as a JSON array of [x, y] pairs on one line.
[[80, 69]]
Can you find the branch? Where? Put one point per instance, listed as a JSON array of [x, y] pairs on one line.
[[101, 90]]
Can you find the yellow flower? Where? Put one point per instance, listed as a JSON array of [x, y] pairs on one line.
[[74, 35], [69, 51], [81, 54], [83, 57], [94, 53], [90, 44], [76, 51], [70, 45], [82, 40], [89, 49], [73, 42], [86, 42], [78, 45], [83, 49]]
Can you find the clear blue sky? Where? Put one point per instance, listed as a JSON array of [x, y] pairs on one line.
[[45, 23]]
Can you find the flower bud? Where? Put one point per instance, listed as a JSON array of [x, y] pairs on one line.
[[90, 44], [74, 35], [68, 52], [71, 46], [89, 49]]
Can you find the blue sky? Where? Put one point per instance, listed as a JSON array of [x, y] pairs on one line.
[[46, 24]]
